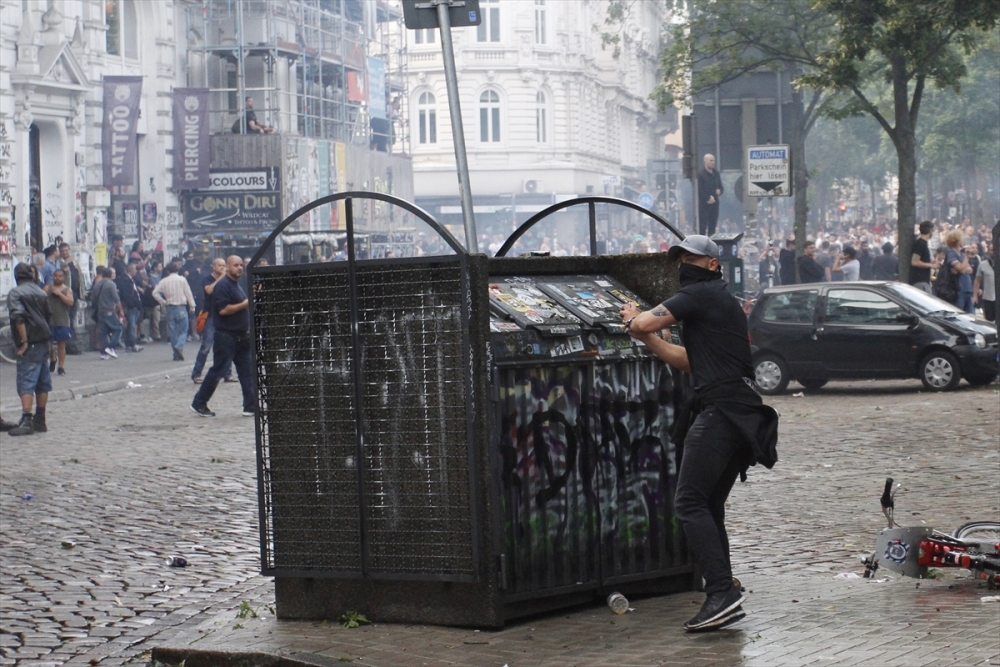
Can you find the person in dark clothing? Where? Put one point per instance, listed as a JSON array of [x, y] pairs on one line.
[[131, 300], [73, 277], [920, 260], [709, 190], [732, 429], [208, 284], [28, 305], [865, 260], [232, 341], [886, 265], [786, 258], [810, 271], [250, 123]]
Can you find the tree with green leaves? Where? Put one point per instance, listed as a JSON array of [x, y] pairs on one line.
[[960, 138], [718, 41], [845, 152], [904, 44]]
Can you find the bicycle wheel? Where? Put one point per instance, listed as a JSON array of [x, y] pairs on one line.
[[7, 350], [984, 532]]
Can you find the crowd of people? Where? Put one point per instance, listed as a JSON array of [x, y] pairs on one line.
[[133, 300], [953, 262]]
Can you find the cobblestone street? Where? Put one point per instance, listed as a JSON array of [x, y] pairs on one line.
[[123, 480]]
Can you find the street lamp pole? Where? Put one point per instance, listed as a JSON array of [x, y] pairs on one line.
[[457, 131]]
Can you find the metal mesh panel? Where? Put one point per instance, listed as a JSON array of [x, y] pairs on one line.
[[400, 503], [413, 397], [303, 334]]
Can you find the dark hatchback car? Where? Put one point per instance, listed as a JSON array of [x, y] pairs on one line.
[[818, 332]]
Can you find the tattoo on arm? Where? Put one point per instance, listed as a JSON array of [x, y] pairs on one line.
[[660, 311]]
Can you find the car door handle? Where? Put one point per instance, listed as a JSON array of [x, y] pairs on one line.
[[816, 332]]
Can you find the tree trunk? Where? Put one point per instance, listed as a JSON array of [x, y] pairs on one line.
[[904, 139], [800, 175]]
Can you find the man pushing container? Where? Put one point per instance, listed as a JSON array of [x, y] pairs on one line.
[[727, 429]]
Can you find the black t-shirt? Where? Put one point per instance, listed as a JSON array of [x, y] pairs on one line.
[[251, 115], [207, 299], [787, 259], [920, 275], [715, 332], [227, 293], [810, 270]]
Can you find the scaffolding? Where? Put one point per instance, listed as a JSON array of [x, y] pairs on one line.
[[310, 65]]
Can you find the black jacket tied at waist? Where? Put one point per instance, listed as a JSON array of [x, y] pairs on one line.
[[742, 406]]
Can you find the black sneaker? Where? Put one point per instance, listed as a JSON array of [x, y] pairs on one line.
[[52, 365], [38, 423], [727, 620], [717, 606], [7, 426], [24, 427], [202, 411]]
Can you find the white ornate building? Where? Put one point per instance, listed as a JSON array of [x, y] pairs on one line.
[[548, 113], [52, 58], [298, 57]]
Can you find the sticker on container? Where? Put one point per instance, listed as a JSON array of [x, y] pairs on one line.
[[603, 283], [576, 343]]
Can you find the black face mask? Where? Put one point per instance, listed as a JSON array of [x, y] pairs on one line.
[[692, 273]]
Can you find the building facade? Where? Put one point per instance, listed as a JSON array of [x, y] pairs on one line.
[[548, 113], [312, 64]]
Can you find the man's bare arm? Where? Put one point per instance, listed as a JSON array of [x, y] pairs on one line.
[[674, 355], [651, 321]]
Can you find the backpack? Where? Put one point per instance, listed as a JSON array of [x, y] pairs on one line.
[[946, 284]]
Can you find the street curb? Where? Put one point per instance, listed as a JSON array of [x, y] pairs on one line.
[[93, 389], [187, 657]]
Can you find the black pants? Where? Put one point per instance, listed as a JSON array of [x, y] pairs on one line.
[[708, 217], [229, 348], [713, 458]]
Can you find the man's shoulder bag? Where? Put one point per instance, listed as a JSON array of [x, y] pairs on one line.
[[199, 324]]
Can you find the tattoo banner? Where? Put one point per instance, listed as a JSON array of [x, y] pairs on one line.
[[118, 138], [191, 155]]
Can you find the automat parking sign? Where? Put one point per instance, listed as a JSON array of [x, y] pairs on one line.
[[769, 171]]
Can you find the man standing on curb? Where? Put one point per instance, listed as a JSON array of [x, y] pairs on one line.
[[232, 341], [208, 333], [732, 429], [175, 293], [104, 294], [28, 305]]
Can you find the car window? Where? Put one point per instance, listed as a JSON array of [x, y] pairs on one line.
[[855, 306], [921, 301], [791, 307]]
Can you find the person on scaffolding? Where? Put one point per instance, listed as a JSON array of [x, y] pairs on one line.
[[250, 123]]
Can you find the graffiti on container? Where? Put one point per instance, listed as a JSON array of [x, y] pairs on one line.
[[586, 459]]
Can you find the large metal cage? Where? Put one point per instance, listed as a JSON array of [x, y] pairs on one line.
[[388, 440]]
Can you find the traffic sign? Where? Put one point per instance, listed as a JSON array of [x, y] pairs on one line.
[[422, 14], [646, 200], [769, 171]]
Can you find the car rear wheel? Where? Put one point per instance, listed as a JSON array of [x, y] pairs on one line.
[[770, 374], [940, 371], [813, 384]]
